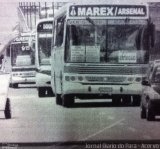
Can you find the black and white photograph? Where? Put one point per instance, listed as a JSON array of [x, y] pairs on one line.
[[80, 74]]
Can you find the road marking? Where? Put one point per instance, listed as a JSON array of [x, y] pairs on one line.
[[108, 127], [90, 136]]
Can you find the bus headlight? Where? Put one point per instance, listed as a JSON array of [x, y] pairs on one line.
[[130, 79], [14, 74], [73, 78], [80, 78], [67, 78], [138, 79]]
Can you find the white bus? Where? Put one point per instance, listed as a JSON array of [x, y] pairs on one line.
[[100, 51], [22, 61], [43, 53]]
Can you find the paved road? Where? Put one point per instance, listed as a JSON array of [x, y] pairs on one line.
[[41, 120]]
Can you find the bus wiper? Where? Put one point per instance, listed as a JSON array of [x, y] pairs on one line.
[[90, 20]]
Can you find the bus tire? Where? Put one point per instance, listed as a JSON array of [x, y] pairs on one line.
[[68, 101], [59, 99], [15, 85], [7, 111], [41, 92], [126, 100], [136, 100], [50, 92], [116, 100]]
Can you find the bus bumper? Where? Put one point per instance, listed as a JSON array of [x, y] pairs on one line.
[[80, 89], [43, 80], [22, 80]]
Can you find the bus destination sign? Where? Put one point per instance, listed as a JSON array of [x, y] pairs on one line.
[[108, 11], [45, 27]]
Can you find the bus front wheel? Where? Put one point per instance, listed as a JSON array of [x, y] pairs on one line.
[[126, 100], [58, 99], [15, 85], [41, 92], [136, 100], [116, 100], [50, 92], [68, 101]]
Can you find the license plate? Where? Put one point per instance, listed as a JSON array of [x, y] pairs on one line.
[[105, 89]]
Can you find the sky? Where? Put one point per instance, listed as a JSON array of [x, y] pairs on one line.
[[8, 19]]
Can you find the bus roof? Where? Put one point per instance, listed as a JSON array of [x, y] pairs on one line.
[[44, 20]]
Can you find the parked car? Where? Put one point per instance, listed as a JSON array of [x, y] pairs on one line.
[[150, 99]]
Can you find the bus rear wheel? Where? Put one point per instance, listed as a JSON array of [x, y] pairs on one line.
[[68, 100]]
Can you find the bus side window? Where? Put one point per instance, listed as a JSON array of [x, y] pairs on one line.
[[148, 38], [67, 44], [59, 32]]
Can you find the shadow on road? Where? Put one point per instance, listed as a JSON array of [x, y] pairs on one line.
[[2, 118], [157, 119], [23, 87], [27, 87]]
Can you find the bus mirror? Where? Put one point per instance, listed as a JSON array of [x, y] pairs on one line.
[[145, 83], [138, 39]]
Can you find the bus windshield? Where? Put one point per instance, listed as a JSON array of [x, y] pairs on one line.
[[22, 54], [102, 42], [44, 47]]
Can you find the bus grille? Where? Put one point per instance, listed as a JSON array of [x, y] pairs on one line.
[[106, 79], [114, 70]]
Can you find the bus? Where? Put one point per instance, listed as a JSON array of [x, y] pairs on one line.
[[22, 56], [101, 51], [43, 53]]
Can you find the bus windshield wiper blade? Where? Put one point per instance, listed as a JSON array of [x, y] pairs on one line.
[[90, 20]]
